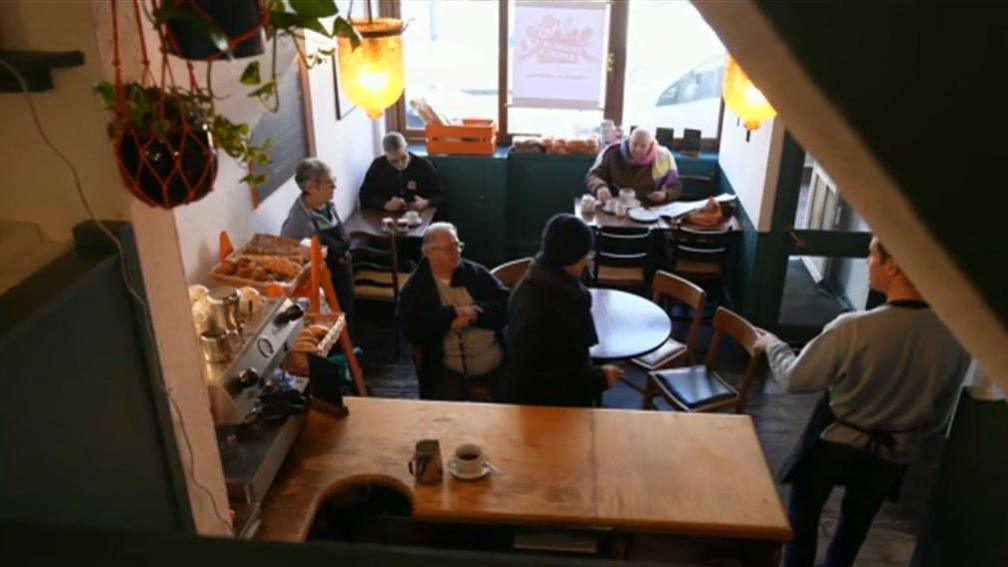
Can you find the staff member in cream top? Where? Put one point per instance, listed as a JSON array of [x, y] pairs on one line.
[[892, 375]]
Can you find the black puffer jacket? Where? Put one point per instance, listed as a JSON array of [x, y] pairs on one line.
[[550, 332], [425, 322]]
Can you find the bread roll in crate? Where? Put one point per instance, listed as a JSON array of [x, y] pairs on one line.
[[320, 333]]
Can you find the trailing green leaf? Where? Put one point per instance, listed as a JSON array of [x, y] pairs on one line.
[[342, 28], [314, 8], [250, 76]]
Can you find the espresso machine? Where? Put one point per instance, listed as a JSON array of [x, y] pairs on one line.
[[258, 408]]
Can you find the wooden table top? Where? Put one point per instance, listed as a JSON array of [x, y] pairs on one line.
[[369, 221], [601, 218], [699, 474], [627, 325]]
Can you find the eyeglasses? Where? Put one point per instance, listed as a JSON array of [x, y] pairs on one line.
[[460, 246]]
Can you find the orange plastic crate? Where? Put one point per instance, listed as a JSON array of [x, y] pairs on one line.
[[475, 136]]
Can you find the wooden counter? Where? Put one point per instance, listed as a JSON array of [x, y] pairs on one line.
[[701, 474]]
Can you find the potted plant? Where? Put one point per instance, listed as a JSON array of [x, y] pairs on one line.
[[208, 29], [205, 30], [166, 142]]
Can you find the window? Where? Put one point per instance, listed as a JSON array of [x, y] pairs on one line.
[[663, 68], [450, 54], [675, 66]]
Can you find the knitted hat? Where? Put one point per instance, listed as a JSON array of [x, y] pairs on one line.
[[565, 240]]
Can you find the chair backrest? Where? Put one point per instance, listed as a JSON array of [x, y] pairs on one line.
[[727, 322], [510, 273], [697, 240], [666, 285], [376, 276], [623, 246]]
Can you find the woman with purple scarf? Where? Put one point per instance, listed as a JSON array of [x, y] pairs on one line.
[[639, 163]]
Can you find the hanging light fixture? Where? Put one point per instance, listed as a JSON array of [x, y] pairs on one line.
[[744, 99], [372, 74]]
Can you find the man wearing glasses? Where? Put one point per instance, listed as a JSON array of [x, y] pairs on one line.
[[400, 179], [453, 311]]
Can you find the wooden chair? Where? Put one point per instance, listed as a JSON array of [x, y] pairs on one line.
[[622, 257], [510, 273], [377, 275], [700, 255], [701, 388], [670, 289]]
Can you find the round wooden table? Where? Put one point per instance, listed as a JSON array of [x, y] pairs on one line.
[[627, 325]]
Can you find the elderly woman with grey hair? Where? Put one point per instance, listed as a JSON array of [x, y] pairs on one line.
[[313, 214], [400, 179]]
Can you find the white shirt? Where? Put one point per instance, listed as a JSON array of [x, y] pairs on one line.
[[482, 353]]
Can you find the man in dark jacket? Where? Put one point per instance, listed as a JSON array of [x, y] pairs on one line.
[[400, 179], [551, 327], [454, 310]]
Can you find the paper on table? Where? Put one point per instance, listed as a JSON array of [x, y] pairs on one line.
[[680, 208]]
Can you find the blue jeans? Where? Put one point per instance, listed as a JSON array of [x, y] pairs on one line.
[[868, 480]]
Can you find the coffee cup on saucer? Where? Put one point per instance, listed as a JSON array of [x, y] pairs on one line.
[[469, 461], [627, 195], [412, 217]]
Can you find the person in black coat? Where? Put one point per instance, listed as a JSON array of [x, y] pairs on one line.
[[454, 310], [400, 179], [551, 328]]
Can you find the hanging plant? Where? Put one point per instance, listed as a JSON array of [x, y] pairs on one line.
[[208, 29], [166, 141], [205, 30]]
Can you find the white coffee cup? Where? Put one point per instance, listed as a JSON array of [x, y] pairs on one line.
[[469, 459], [412, 217], [627, 194]]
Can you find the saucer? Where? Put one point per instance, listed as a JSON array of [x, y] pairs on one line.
[[453, 469], [643, 215]]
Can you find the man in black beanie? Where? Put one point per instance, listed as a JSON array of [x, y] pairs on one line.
[[551, 327]]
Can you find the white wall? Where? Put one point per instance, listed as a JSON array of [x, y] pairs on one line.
[[37, 187], [852, 273], [748, 165]]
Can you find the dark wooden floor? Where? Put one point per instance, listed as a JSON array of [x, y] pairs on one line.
[[779, 419]]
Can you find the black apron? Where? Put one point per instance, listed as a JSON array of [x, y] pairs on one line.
[[821, 418], [336, 242]]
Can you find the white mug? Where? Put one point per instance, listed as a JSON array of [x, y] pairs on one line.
[[412, 216], [469, 458], [627, 195]]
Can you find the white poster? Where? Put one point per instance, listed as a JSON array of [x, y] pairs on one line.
[[559, 55]]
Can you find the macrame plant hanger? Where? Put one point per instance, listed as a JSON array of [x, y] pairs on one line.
[[168, 169]]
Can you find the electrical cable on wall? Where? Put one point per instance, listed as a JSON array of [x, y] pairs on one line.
[[144, 310]]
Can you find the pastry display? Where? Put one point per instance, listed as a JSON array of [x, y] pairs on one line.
[[313, 339], [260, 268], [271, 245]]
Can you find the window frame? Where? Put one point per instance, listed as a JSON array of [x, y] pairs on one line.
[[619, 21]]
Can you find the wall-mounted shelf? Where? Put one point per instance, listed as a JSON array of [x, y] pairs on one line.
[[36, 68]]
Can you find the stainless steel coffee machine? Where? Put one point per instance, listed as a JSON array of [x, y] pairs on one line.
[[258, 408]]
